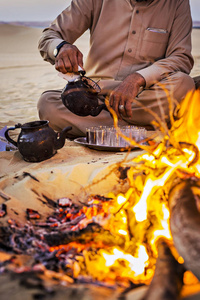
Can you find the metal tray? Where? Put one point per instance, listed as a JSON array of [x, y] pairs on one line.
[[82, 141]]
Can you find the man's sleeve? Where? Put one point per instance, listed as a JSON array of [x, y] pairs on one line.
[[68, 26], [178, 55]]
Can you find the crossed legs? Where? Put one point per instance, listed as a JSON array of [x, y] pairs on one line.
[[50, 106]]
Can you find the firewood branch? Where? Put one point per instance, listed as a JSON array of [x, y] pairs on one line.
[[185, 224], [168, 278]]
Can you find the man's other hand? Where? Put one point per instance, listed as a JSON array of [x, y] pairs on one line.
[[121, 98], [68, 59]]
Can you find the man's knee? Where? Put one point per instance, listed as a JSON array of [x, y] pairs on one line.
[[41, 104], [154, 101], [47, 103], [182, 84]]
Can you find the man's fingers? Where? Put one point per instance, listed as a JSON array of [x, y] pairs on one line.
[[128, 109], [60, 66], [125, 108], [116, 106], [115, 102], [63, 65], [74, 63], [76, 60], [111, 99], [68, 59], [121, 105], [80, 59]]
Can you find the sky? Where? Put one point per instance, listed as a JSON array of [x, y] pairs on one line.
[[45, 10]]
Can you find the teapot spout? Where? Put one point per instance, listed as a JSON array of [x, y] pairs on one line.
[[62, 136], [96, 111]]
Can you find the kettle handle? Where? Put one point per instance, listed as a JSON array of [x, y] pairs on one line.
[[7, 135]]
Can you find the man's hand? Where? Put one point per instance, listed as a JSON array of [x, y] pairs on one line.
[[68, 59], [121, 98]]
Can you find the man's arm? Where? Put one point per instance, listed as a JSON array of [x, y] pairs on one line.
[[121, 97], [68, 26], [178, 54], [69, 59], [178, 58]]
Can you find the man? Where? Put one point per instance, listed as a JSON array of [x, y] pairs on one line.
[[137, 47]]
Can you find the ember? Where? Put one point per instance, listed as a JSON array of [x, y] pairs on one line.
[[3, 210], [114, 240], [92, 241], [32, 214]]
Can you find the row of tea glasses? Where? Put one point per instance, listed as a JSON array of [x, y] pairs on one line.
[[109, 136]]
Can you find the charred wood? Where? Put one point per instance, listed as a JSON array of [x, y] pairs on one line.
[[30, 286], [3, 210], [4, 196], [30, 175], [93, 232], [168, 278], [197, 82], [185, 225]]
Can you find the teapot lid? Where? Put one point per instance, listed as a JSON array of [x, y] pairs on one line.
[[70, 77]]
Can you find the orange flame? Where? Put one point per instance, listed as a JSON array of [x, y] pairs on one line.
[[146, 203], [137, 218]]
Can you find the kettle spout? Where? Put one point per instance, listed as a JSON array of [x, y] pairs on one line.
[[62, 136], [96, 110]]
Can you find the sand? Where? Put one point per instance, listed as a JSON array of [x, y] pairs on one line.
[[24, 75]]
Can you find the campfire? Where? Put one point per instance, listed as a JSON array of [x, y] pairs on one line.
[[121, 240]]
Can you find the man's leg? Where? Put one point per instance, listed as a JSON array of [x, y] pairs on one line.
[[156, 98], [50, 106]]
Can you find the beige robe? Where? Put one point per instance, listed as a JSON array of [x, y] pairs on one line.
[[152, 38]]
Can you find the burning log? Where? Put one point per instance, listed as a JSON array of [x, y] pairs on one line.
[[93, 232], [168, 278], [185, 224], [197, 82]]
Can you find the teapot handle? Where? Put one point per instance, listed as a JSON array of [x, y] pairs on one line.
[[7, 135]]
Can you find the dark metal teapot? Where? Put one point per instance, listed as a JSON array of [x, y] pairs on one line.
[[80, 96], [37, 141]]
